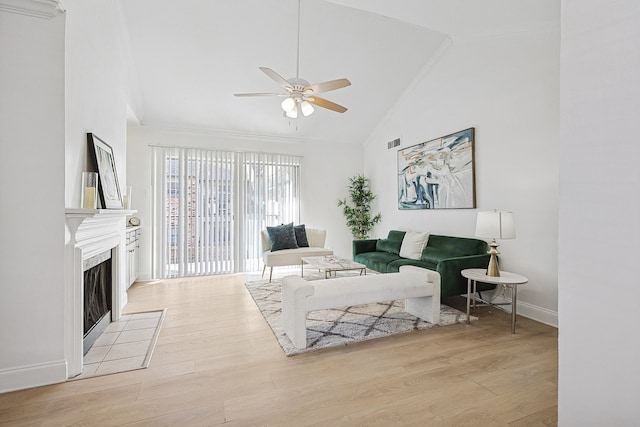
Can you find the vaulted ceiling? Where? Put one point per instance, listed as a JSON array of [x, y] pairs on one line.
[[190, 57]]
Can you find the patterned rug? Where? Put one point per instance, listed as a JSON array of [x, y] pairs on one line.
[[341, 326]]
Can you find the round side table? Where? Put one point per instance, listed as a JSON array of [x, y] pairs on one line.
[[510, 280]]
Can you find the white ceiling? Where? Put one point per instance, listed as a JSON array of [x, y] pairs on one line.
[[190, 57]]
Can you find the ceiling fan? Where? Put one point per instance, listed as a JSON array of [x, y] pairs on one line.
[[298, 93]]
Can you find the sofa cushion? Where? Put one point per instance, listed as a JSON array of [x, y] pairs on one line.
[[461, 246], [395, 265], [392, 243], [390, 246], [282, 237], [376, 261], [301, 236], [435, 255], [396, 235], [412, 244]]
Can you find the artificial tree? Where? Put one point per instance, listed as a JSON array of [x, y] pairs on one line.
[[358, 213]]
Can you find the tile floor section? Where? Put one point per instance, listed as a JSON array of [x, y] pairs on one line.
[[124, 346]]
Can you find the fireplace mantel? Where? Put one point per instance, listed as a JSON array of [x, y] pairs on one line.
[[88, 233]]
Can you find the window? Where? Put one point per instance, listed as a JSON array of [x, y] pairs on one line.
[[210, 207]]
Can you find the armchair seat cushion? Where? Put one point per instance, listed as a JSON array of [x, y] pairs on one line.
[[292, 256]]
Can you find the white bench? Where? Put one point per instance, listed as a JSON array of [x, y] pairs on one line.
[[418, 286]]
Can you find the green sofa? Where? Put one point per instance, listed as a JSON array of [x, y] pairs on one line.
[[445, 254]]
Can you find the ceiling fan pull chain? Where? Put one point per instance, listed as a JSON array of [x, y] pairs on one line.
[[298, 48]]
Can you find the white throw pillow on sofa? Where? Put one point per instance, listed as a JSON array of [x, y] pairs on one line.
[[413, 243]]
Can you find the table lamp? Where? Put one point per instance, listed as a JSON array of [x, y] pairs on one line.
[[495, 225]]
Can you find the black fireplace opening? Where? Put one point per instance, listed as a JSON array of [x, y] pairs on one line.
[[97, 297]]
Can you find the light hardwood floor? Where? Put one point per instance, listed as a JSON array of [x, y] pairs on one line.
[[217, 362]]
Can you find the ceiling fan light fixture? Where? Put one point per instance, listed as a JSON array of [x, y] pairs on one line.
[[288, 105], [292, 114], [307, 108], [299, 93]]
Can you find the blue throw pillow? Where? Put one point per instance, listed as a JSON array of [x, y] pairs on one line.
[[301, 236], [282, 237]]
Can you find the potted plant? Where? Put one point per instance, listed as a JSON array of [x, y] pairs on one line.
[[358, 213]]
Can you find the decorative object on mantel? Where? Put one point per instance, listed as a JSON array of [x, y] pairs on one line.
[[438, 174], [342, 326], [134, 221], [89, 194], [104, 161], [358, 216], [127, 198], [495, 225]]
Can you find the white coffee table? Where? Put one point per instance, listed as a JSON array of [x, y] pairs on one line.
[[510, 280], [331, 264]]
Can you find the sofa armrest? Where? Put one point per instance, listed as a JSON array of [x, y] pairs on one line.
[[452, 281], [362, 246]]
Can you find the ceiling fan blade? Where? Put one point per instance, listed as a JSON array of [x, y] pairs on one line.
[[325, 103], [327, 86], [277, 78], [260, 94]]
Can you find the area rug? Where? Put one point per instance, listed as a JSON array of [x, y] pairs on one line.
[[341, 326]]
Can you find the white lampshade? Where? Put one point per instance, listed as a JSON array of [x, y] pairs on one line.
[[292, 114], [307, 108], [288, 105], [495, 225]]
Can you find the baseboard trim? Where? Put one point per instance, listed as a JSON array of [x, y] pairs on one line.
[[142, 277], [530, 311], [33, 376]]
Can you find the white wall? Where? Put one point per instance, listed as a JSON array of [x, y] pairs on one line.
[[326, 167], [59, 78], [96, 88], [31, 201], [507, 88], [599, 214]]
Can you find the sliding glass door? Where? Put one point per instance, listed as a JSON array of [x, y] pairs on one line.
[[209, 207]]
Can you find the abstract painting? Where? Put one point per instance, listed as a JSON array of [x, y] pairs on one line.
[[438, 174]]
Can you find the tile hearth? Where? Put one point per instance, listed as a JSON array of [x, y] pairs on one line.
[[124, 346]]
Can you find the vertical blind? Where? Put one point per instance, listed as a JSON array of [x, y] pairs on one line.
[[209, 207], [268, 195]]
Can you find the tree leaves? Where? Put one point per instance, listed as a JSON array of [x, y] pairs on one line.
[[358, 213]]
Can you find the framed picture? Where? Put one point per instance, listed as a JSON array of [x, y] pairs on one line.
[[104, 162], [438, 174]]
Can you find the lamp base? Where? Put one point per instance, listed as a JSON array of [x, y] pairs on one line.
[[492, 268]]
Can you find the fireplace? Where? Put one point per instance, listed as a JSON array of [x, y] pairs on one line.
[[97, 298], [93, 237]]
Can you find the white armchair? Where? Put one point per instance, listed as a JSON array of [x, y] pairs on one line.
[[316, 238]]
